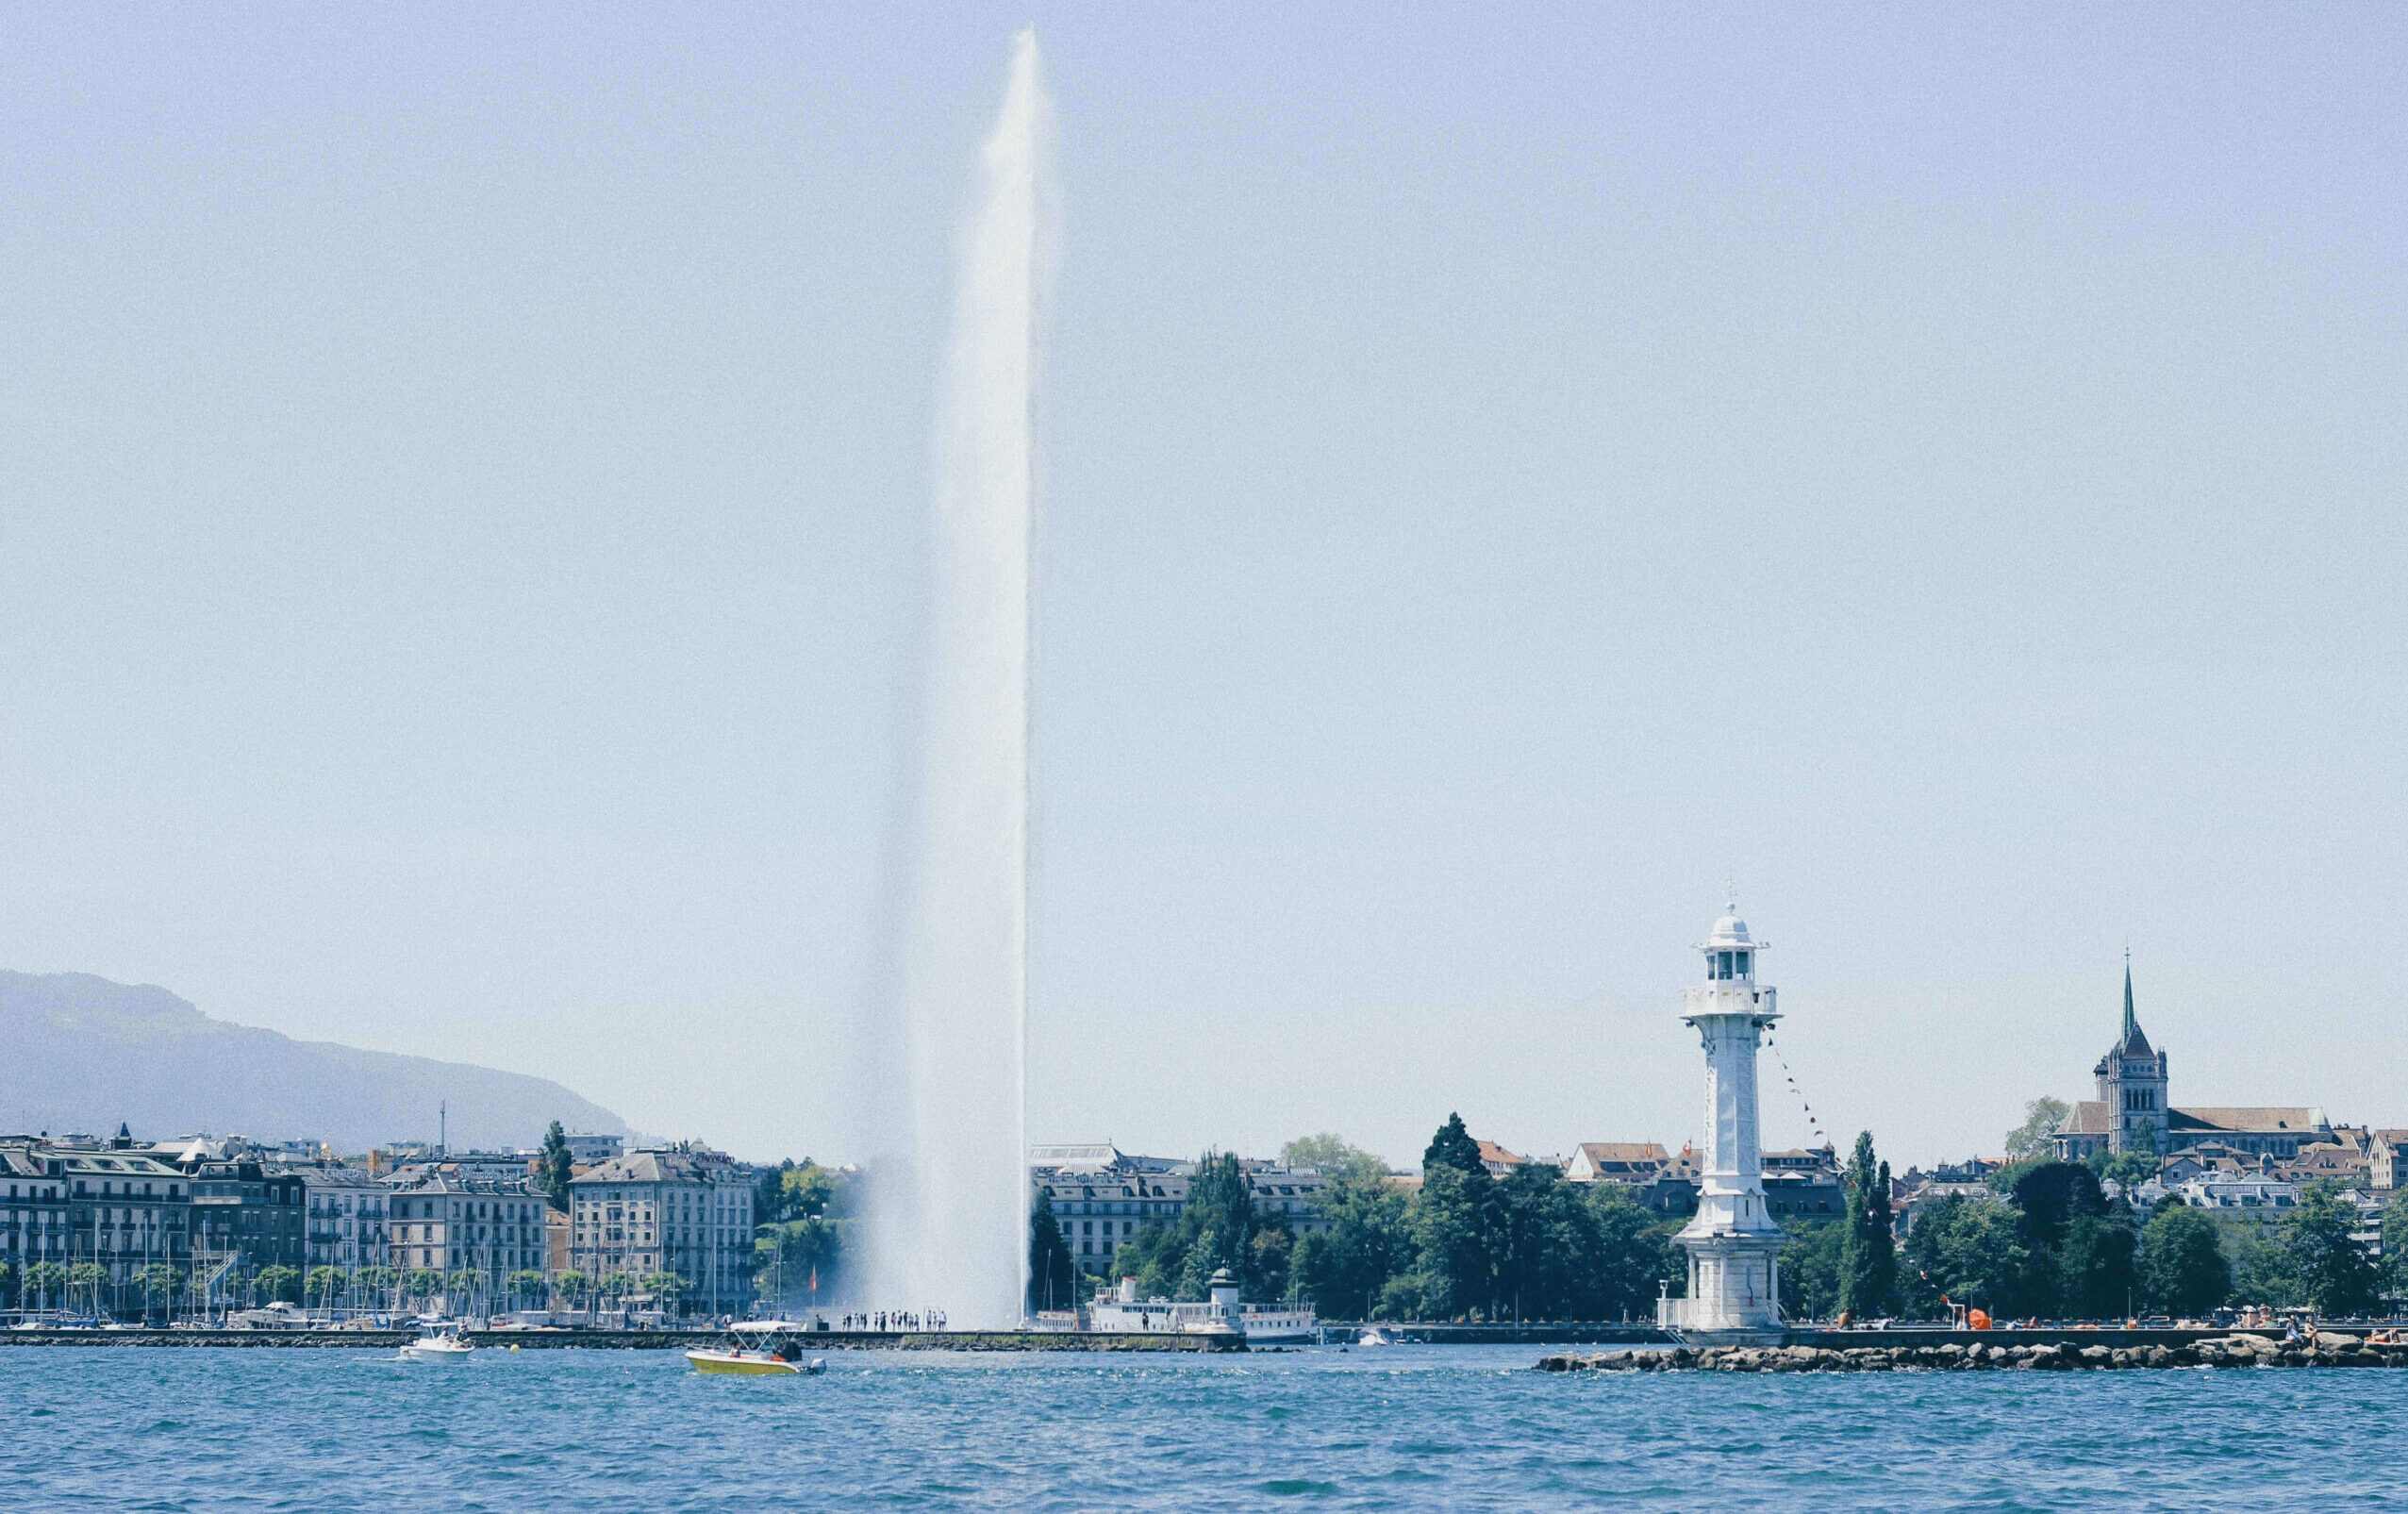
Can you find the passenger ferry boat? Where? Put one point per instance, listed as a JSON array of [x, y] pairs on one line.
[[758, 1348], [1222, 1314]]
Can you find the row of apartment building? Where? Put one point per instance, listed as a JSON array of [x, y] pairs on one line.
[[1102, 1197], [210, 1208]]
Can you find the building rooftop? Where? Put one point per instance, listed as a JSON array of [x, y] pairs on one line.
[[1628, 1152], [454, 1183], [2271, 1120], [1493, 1157], [654, 1166]]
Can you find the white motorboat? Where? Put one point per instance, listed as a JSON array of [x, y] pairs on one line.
[[1374, 1336], [439, 1340]]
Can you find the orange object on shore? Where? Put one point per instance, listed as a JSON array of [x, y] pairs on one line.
[[1977, 1320]]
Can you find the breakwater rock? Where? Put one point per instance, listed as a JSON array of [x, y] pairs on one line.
[[2227, 1350]]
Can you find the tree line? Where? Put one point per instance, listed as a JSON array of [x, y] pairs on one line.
[[2053, 1243], [1464, 1244]]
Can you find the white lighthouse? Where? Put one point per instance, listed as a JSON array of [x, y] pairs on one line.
[[1732, 1242]]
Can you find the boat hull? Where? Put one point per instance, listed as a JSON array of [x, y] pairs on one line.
[[444, 1354], [731, 1364]]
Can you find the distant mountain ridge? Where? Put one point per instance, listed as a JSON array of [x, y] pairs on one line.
[[82, 1053]]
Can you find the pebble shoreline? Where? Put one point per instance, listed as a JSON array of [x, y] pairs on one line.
[[2230, 1351]]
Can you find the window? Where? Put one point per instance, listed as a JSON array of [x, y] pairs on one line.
[[1742, 958]]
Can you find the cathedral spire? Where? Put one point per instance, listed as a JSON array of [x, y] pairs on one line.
[[2132, 1022]]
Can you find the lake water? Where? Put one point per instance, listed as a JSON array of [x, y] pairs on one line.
[[598, 1432]]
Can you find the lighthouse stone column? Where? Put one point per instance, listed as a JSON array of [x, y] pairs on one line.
[[1732, 1240]]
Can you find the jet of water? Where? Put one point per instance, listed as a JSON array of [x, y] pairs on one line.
[[951, 1230]]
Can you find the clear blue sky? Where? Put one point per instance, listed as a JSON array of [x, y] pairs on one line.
[[461, 480]]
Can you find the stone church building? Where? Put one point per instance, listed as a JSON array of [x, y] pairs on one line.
[[2134, 1112]]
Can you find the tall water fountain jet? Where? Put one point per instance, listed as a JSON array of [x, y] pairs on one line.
[[951, 1234]]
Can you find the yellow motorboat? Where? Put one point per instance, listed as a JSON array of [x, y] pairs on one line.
[[758, 1348]]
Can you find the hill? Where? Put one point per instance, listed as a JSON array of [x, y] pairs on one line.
[[82, 1053]]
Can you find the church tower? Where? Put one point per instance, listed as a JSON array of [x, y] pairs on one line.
[[2132, 1084], [1733, 1242]]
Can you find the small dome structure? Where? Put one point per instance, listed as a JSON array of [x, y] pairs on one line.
[[1730, 951]]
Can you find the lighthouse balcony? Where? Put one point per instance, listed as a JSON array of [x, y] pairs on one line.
[[1701, 999]]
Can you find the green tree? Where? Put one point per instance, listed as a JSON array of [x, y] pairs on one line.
[[1539, 1239], [1633, 1255], [1568, 1251], [45, 1284], [526, 1286], [1153, 1256], [1344, 1268], [7, 1282], [1810, 1255], [2043, 1117], [2182, 1265], [795, 1261], [1452, 1146], [2127, 1169], [2395, 1246], [84, 1283], [1050, 1268], [2094, 1272], [2051, 1195], [2332, 1272], [615, 1285], [556, 1167], [808, 1189], [794, 1190], [422, 1283], [1969, 1252], [1220, 1222], [2262, 1272], [375, 1284], [159, 1284], [1332, 1156], [278, 1282], [1451, 1221], [667, 1288], [322, 1284], [1271, 1258], [1868, 1255], [576, 1284]]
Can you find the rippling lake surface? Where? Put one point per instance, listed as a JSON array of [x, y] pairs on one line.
[[1399, 1428]]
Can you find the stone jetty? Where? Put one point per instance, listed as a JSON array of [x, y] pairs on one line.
[[2330, 1350]]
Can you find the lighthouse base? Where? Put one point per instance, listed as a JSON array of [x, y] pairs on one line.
[[1734, 1289]]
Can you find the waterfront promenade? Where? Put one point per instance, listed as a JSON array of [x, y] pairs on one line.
[[540, 1340], [1339, 1333]]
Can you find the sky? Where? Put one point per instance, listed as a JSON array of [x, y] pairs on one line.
[[1932, 473]]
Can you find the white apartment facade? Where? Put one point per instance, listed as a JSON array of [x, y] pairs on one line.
[[684, 1209]]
